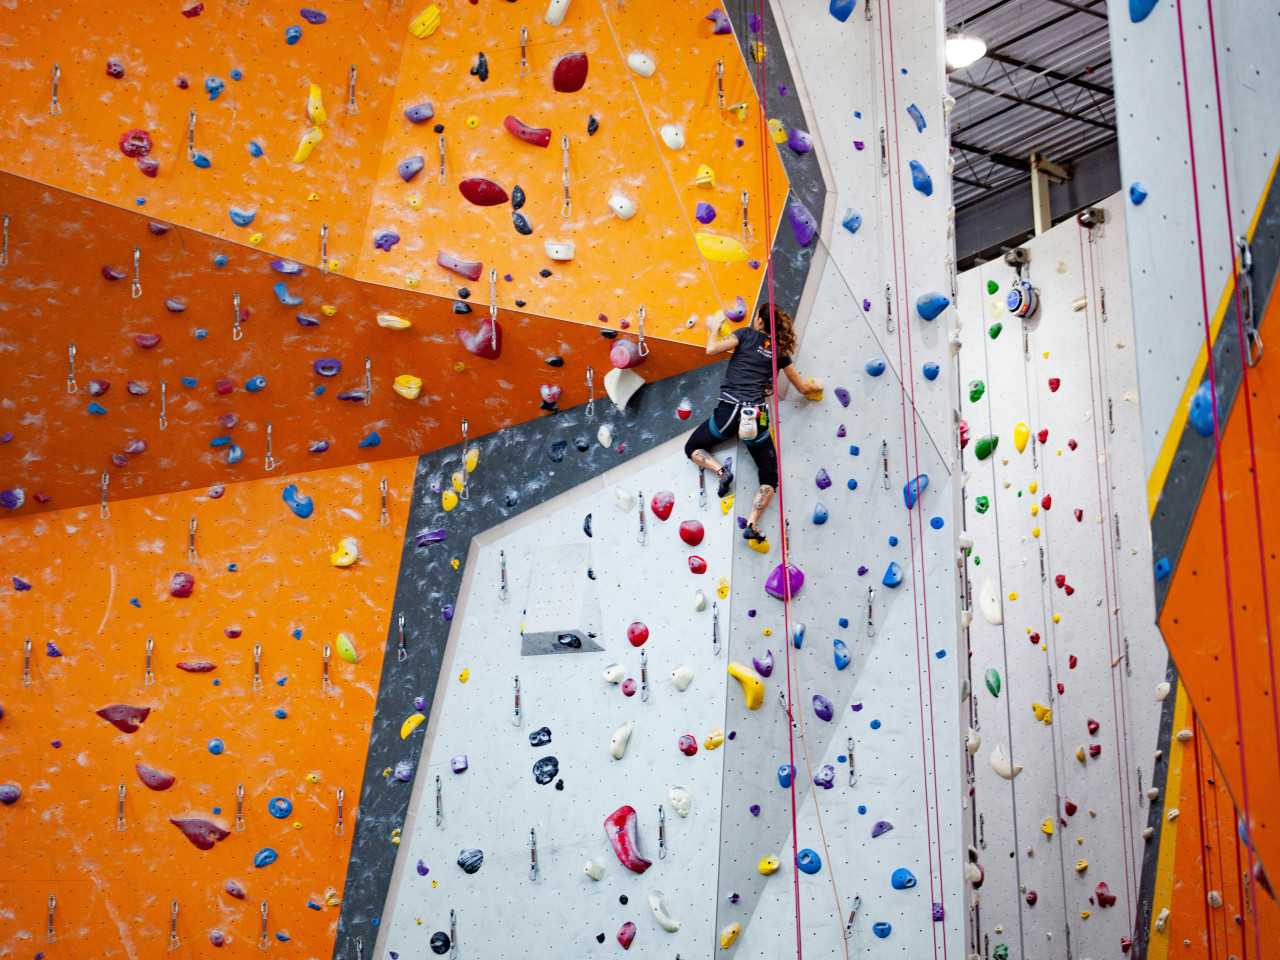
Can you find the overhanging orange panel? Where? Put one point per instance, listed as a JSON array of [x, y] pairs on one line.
[[78, 148], [99, 589], [617, 265], [53, 294], [1194, 618]]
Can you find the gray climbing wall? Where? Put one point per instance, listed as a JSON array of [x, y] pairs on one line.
[[1062, 610], [896, 702]]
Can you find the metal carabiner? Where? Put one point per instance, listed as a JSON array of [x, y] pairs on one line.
[[643, 347]]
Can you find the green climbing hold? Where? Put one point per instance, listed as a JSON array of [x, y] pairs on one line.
[[993, 287], [1001, 952], [993, 331], [981, 504], [976, 389], [986, 446], [993, 681], [977, 561]]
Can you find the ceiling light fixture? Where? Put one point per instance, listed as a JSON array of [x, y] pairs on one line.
[[964, 49]]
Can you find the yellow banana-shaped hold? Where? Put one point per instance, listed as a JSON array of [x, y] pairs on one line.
[[721, 249], [307, 144], [714, 740], [1021, 434], [1047, 827], [315, 105], [408, 386], [729, 934], [426, 23], [346, 648], [411, 723], [752, 685]]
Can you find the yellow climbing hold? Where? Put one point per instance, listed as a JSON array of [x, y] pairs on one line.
[[721, 249], [1080, 754], [777, 132], [767, 631], [759, 546], [456, 480], [307, 143], [726, 505], [426, 23], [1035, 509], [1032, 487], [415, 202], [1035, 532], [472, 122], [1057, 618], [729, 934], [769, 865], [455, 563], [256, 239], [411, 723], [411, 282], [390, 321], [1082, 866], [346, 648], [465, 675], [1043, 714], [407, 386], [329, 310], [757, 51], [752, 685], [315, 105], [705, 177], [348, 552], [1047, 827], [714, 739], [448, 500], [313, 197], [1084, 914], [395, 836], [471, 459], [458, 366], [1021, 434], [1013, 594], [722, 589], [313, 777]]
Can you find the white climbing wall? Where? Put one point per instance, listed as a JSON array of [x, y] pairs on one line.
[[1070, 507], [500, 911], [897, 701], [1155, 152]]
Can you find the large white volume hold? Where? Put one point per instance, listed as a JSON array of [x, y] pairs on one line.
[[560, 252], [658, 904], [556, 10], [623, 207], [682, 676], [1002, 765], [680, 799], [621, 737], [672, 135], [614, 673], [989, 602], [641, 63]]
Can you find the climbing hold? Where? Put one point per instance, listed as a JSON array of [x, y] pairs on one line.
[[714, 740], [1200, 413], [721, 249], [621, 827], [1137, 192], [930, 305], [570, 73], [411, 723], [729, 934], [931, 371], [823, 708], [181, 585], [482, 192], [420, 112], [1002, 765], [841, 9], [797, 635], [912, 489], [902, 879], [892, 574], [808, 861], [822, 479], [763, 665], [786, 774], [626, 934], [916, 117], [820, 514], [470, 859], [704, 213], [920, 178], [680, 799], [545, 770], [538, 136], [986, 446], [641, 64], [882, 928], [841, 653], [407, 386], [842, 395], [1021, 434], [556, 9], [202, 833], [658, 907], [880, 827], [298, 502], [348, 553], [992, 679], [687, 744], [752, 686], [852, 221], [1102, 893], [426, 23], [618, 742], [803, 225], [122, 716], [681, 677], [561, 252], [456, 264], [484, 341], [307, 143], [691, 531], [624, 354], [153, 778], [774, 584], [875, 366], [673, 136], [346, 648], [623, 207], [279, 807], [768, 865], [593, 870]]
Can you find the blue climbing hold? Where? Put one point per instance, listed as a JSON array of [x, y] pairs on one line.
[[1137, 193], [279, 807], [255, 148], [256, 384], [201, 160], [903, 879], [96, 408], [920, 178], [220, 442], [234, 454], [844, 623], [892, 574], [241, 217], [936, 522], [882, 928], [929, 305], [265, 857], [808, 861], [221, 260], [797, 636], [912, 489], [292, 34], [213, 87], [371, 440], [1200, 414], [852, 221], [841, 9], [931, 371], [875, 366], [1163, 569], [284, 296], [819, 514], [851, 483], [916, 117], [1139, 10], [189, 382], [298, 502], [786, 772], [216, 746], [841, 651], [893, 540]]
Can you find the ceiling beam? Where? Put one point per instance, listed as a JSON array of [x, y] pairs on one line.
[[1023, 101], [995, 156], [1074, 81], [1078, 8]]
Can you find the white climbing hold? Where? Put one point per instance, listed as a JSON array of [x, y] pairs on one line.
[[556, 10], [1184, 735], [623, 207], [559, 251], [699, 601], [973, 741], [680, 799], [682, 676], [614, 673], [641, 64], [605, 435], [1162, 689], [593, 870], [625, 499], [672, 136], [1162, 919], [658, 905], [621, 737], [1002, 765], [1215, 899], [1172, 815], [989, 603], [621, 385]]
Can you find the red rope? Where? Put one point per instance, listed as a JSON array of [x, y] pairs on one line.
[[1235, 836], [915, 518], [1217, 439], [1204, 847], [762, 87]]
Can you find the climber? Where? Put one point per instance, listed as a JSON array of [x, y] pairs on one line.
[[742, 411]]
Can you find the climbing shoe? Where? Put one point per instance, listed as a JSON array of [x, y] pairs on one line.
[[726, 482], [752, 533]]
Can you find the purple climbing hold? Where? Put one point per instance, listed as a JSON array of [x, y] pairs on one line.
[[843, 396], [738, 311], [420, 112], [20, 585], [317, 446], [403, 770], [803, 226], [823, 707], [880, 828], [720, 22], [327, 366], [313, 17], [51, 649], [799, 141], [458, 763], [427, 537], [145, 341], [763, 665], [10, 793], [775, 587], [705, 212], [841, 431], [234, 889], [939, 912], [823, 479], [410, 167], [12, 499], [384, 240], [423, 869], [754, 809]]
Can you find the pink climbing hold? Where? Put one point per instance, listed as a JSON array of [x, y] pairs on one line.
[[625, 354], [691, 532], [135, 143], [538, 136], [145, 341], [482, 192], [662, 503], [456, 264], [775, 587], [637, 633], [687, 744], [485, 341], [181, 585], [570, 73], [201, 832], [153, 778], [122, 716], [196, 666], [1093, 726], [629, 687], [626, 934]]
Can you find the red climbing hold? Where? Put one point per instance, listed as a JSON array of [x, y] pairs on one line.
[[1043, 436], [697, 564], [1072, 661], [1034, 638], [135, 143], [1060, 580], [629, 687], [1093, 726], [964, 434], [637, 633], [1079, 514], [570, 73], [1046, 502], [1095, 750], [622, 829], [153, 778], [538, 136], [201, 832], [1126, 944], [1069, 808], [1071, 444], [1054, 384], [196, 666], [149, 166], [482, 192], [1102, 893], [691, 532], [122, 716], [1062, 688], [1032, 897], [485, 341], [625, 354], [181, 585], [688, 744], [662, 503], [626, 933]]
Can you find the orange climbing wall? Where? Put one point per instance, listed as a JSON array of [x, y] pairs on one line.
[[114, 888], [1194, 617], [350, 181], [53, 293]]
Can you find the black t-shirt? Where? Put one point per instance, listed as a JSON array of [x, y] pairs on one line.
[[750, 374]]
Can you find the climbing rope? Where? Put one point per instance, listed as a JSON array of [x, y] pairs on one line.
[[1217, 453], [1204, 846]]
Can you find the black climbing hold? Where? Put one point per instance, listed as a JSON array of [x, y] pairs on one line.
[[623, 899], [599, 938], [470, 859], [481, 67], [540, 737], [591, 574], [522, 224], [438, 128], [464, 293], [544, 272], [609, 334], [512, 499], [586, 524], [559, 784], [521, 303], [545, 770], [592, 125], [440, 943], [554, 361], [582, 443], [461, 307], [557, 450], [517, 197], [569, 640]]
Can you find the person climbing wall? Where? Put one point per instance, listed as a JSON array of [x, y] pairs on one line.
[[742, 411]]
